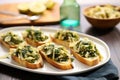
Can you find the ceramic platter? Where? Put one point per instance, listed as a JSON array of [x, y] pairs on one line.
[[49, 69]]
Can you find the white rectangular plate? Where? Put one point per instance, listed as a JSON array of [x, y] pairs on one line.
[[49, 69]]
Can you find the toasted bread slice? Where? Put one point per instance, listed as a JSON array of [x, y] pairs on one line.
[[65, 37], [7, 45], [9, 40], [86, 52], [87, 61], [36, 65], [60, 42], [23, 62], [34, 42], [64, 65]]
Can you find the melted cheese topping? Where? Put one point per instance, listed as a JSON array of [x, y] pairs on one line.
[[67, 35], [36, 35], [57, 53], [86, 48], [27, 53], [11, 38]]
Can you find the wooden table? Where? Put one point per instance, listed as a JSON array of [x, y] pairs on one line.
[[111, 37]]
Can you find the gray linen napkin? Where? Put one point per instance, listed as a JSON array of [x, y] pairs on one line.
[[106, 72]]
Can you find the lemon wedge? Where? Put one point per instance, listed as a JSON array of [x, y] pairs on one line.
[[23, 7], [37, 8], [50, 4]]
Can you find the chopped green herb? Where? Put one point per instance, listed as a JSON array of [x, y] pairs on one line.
[[28, 53], [57, 53], [67, 35], [11, 38], [86, 48], [36, 35]]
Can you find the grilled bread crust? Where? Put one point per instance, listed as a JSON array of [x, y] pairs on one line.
[[87, 61], [63, 65], [34, 43], [38, 64], [7, 45], [60, 42]]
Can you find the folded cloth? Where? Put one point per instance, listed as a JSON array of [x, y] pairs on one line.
[[105, 72]]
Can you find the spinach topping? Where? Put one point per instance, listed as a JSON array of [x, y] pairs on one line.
[[11, 38], [28, 53], [67, 35], [86, 49], [57, 53], [36, 35]]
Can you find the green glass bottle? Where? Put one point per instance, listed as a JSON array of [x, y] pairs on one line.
[[70, 15]]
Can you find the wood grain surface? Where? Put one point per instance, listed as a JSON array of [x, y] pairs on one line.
[[48, 16]]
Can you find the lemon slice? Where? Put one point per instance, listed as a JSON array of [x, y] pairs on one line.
[[50, 4], [23, 7], [37, 8]]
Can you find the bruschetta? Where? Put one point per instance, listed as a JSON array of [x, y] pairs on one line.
[[58, 56], [65, 37], [10, 40], [35, 37], [86, 52], [27, 56]]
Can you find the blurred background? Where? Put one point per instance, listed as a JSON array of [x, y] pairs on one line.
[[79, 1]]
